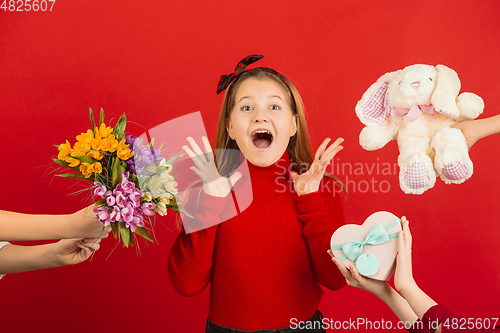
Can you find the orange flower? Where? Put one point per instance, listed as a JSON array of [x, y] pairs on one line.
[[64, 150], [86, 169], [103, 131], [109, 143], [86, 138], [96, 167], [123, 151]]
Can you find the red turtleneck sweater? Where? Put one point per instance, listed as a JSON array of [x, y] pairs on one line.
[[266, 263]]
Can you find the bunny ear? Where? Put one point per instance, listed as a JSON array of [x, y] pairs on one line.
[[374, 105], [446, 91]]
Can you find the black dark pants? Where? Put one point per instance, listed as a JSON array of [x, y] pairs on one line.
[[316, 321]]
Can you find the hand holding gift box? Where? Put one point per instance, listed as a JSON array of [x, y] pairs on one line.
[[372, 247]]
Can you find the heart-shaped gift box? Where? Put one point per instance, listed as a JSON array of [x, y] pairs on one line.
[[371, 247]]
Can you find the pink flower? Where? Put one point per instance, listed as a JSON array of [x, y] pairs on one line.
[[121, 200], [148, 208], [102, 215], [127, 213], [128, 187], [110, 200], [100, 190], [115, 214]]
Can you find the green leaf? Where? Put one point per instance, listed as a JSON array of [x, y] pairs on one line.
[[152, 143], [73, 175], [120, 126], [125, 234], [57, 146], [87, 159], [116, 175], [101, 202], [91, 115], [173, 158], [182, 211], [114, 229], [65, 164], [143, 232], [101, 117]]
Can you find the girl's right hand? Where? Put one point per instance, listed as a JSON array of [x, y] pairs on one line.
[[204, 166]]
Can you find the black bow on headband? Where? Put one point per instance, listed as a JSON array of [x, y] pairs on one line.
[[225, 80]]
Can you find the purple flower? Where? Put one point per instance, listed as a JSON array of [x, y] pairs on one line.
[[130, 139]]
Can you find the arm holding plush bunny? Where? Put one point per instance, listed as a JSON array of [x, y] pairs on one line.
[[475, 130], [411, 303]]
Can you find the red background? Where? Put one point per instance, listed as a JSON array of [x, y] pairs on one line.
[[158, 60]]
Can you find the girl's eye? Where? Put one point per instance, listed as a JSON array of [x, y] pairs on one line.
[[274, 107], [246, 108]]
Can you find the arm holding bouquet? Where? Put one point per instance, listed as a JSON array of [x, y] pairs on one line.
[[16, 259], [23, 227]]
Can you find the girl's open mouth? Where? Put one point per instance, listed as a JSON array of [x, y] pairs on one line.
[[262, 139]]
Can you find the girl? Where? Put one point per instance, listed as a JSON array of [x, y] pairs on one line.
[[254, 285], [18, 227]]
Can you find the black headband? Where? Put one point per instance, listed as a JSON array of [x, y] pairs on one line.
[[226, 80]]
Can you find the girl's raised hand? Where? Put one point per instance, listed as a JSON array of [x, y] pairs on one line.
[[403, 278], [204, 166], [309, 181]]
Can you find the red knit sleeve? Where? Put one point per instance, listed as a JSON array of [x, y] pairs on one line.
[[322, 214], [191, 257]]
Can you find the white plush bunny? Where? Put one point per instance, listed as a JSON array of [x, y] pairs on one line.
[[416, 106]]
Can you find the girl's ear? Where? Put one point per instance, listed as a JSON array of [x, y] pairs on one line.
[[229, 128], [293, 128]]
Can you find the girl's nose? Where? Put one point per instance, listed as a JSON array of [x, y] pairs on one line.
[[260, 115]]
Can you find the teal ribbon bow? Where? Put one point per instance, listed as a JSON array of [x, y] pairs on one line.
[[377, 235]]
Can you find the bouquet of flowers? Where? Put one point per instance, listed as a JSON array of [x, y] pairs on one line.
[[131, 181]]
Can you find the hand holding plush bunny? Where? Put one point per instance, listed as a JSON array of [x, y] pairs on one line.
[[417, 107]]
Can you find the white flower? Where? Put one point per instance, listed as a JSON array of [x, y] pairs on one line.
[[161, 208], [147, 196]]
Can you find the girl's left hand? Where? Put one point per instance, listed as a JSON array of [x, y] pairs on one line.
[[354, 279], [309, 181]]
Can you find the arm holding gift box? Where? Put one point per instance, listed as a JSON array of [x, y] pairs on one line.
[[412, 303], [21, 227], [475, 130]]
